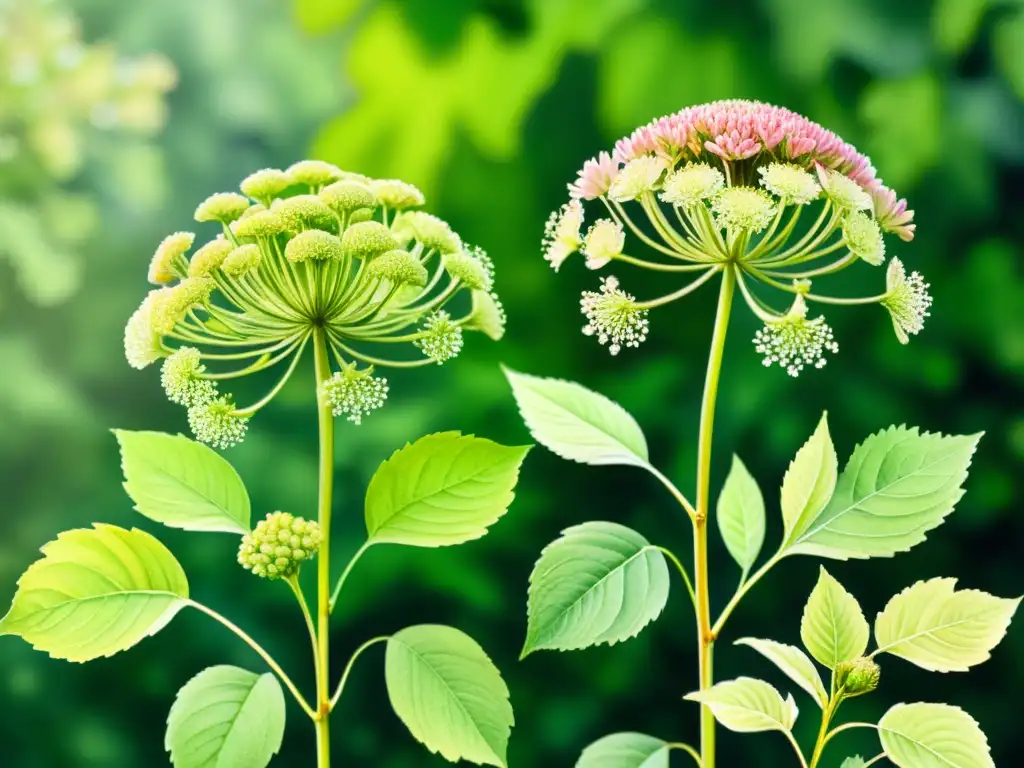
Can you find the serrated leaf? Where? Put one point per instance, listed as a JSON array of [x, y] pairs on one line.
[[182, 483], [809, 481], [934, 626], [933, 736], [226, 716], [449, 694], [794, 663], [626, 750], [741, 517], [898, 485], [95, 592], [444, 489], [577, 423], [746, 705], [598, 583], [833, 627]]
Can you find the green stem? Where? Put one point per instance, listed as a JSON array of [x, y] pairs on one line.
[[293, 582], [348, 569], [682, 572], [351, 663], [687, 749], [826, 721], [796, 748], [325, 421], [742, 591], [706, 638]]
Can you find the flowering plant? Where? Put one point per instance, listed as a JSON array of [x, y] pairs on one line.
[[724, 191], [309, 257]]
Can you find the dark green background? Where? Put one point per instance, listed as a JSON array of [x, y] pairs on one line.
[[490, 106]]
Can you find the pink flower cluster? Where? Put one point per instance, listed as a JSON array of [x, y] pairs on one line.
[[735, 130]]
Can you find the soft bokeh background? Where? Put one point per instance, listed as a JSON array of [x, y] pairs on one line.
[[490, 106]]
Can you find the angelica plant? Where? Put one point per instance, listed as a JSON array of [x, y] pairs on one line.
[[309, 258], [769, 205]]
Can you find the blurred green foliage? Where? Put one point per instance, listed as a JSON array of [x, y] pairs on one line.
[[491, 106]]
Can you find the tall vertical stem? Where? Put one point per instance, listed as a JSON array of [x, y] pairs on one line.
[[325, 423], [706, 638]]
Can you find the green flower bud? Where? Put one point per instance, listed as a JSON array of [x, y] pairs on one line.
[[305, 212], [398, 267], [253, 209], [222, 206], [368, 239], [266, 184], [791, 183], [692, 184], [168, 261], [396, 194], [313, 245], [259, 224], [639, 175], [428, 229], [181, 377], [216, 423], [442, 338], [209, 257], [743, 208], [863, 237], [846, 193], [857, 677], [354, 393], [462, 266], [313, 173], [488, 315], [171, 304], [242, 260], [279, 545], [142, 344], [348, 196]]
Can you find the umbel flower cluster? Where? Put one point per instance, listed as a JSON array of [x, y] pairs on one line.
[[744, 188], [311, 249]]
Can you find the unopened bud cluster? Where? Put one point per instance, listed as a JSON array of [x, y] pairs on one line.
[[279, 545], [857, 677]]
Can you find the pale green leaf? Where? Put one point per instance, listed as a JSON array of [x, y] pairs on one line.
[[443, 489], [898, 485], [598, 583], [853, 762], [577, 423], [794, 663], [933, 736], [625, 750], [809, 481], [226, 716], [95, 592], [741, 517], [938, 628], [833, 628], [746, 705], [182, 483], [449, 694]]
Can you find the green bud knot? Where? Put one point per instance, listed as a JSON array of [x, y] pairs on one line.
[[279, 545], [857, 677]]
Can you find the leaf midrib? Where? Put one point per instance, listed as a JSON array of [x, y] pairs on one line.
[[930, 630]]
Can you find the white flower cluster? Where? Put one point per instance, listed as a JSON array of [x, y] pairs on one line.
[[907, 300], [442, 338], [613, 316], [217, 423], [355, 393], [794, 343]]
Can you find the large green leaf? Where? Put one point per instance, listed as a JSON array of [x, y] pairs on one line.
[[95, 592], [182, 483], [443, 489], [833, 628], [794, 663], [626, 750], [226, 716], [449, 694], [898, 485], [809, 481], [933, 736], [746, 705], [597, 583], [741, 515], [934, 626], [577, 423]]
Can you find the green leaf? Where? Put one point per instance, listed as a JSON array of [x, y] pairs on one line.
[[934, 626], [746, 705], [226, 716], [833, 628], [625, 750], [741, 517], [898, 485], [95, 592], [443, 489], [933, 736], [853, 762], [449, 694], [182, 483], [598, 583], [809, 481], [577, 423], [794, 663]]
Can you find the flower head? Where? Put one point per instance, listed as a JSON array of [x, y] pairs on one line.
[[266, 184], [224, 207], [210, 257], [464, 266], [639, 175], [242, 260], [217, 423], [892, 214], [846, 193], [301, 212], [279, 545], [907, 300], [168, 261], [794, 342], [857, 677], [143, 345], [399, 267], [604, 242], [613, 316], [314, 245], [789, 182], [441, 338], [863, 237], [347, 196], [313, 173], [692, 184], [488, 315], [562, 233], [434, 233], [743, 208], [355, 393], [396, 194], [182, 378], [596, 177]]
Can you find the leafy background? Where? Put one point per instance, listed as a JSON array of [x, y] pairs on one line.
[[490, 106]]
